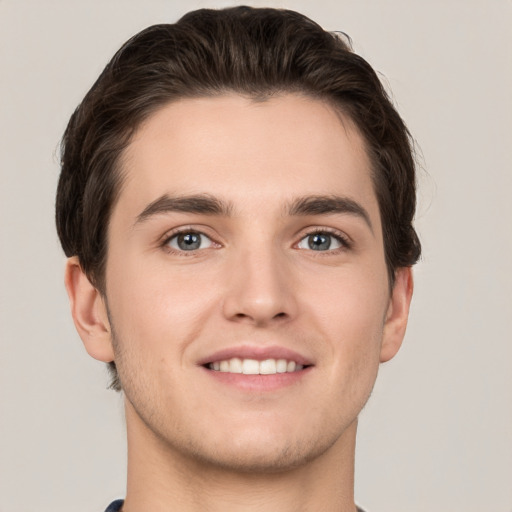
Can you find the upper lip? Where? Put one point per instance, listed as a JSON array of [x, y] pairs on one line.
[[260, 353]]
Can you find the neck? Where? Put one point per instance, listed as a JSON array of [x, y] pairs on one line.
[[160, 477]]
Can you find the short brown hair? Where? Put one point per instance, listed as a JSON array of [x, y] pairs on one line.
[[254, 52]]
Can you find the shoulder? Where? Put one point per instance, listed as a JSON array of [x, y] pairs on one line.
[[115, 506]]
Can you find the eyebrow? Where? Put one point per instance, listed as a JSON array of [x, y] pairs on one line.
[[206, 204], [322, 205], [200, 204]]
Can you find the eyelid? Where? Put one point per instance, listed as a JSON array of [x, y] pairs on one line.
[[343, 238], [183, 229], [172, 233], [173, 242]]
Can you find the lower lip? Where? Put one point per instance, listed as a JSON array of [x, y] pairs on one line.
[[258, 383]]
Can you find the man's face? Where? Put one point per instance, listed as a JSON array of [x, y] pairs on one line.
[[245, 232]]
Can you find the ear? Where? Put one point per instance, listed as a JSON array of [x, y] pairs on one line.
[[89, 312], [397, 314]]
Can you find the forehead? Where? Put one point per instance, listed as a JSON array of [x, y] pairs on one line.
[[246, 152]]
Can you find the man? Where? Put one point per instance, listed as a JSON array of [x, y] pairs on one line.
[[236, 202]]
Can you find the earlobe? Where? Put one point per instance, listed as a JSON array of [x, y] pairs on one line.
[[89, 312], [397, 315]]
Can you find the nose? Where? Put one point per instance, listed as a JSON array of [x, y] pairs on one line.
[[260, 289]]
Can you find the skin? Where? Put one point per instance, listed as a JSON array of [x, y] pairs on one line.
[[197, 442]]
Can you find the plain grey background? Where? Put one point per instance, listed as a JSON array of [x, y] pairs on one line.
[[437, 433]]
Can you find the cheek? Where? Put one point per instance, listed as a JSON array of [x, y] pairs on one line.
[[155, 319], [153, 307], [351, 303], [350, 310]]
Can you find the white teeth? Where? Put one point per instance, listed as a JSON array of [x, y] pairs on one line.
[[255, 367], [281, 366], [250, 367], [235, 365], [268, 367]]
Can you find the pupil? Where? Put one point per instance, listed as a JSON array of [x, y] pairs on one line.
[[189, 241], [319, 242]]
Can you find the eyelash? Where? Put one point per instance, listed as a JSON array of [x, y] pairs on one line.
[[180, 231], [343, 239]]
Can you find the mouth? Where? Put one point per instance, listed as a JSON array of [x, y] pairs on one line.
[[257, 368], [249, 366]]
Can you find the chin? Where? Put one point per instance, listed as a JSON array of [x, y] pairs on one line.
[[258, 451], [257, 459]]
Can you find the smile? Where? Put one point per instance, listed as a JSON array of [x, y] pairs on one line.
[[255, 367]]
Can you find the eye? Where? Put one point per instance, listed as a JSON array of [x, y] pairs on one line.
[[321, 241], [189, 241]]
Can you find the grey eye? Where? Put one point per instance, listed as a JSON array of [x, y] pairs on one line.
[[189, 241], [320, 242]]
